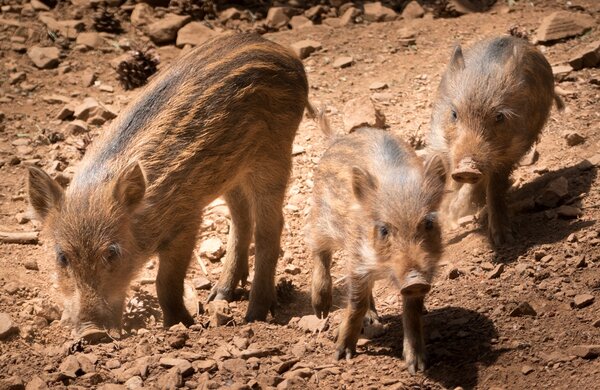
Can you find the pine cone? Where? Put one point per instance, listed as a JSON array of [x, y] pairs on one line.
[[106, 21], [197, 9], [135, 71]]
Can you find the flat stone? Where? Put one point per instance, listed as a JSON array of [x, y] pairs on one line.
[[560, 72], [165, 30], [44, 57], [583, 300], [39, 6], [7, 326], [12, 383], [36, 383], [568, 212], [349, 16], [207, 365], [343, 62], [16, 78], [311, 323], [170, 380], [589, 351], [194, 34], [525, 370], [70, 368], [413, 10], [360, 112], [562, 24], [496, 272], [524, 309], [376, 12], [587, 57], [377, 86], [300, 21], [91, 40], [305, 47], [201, 283], [185, 367]]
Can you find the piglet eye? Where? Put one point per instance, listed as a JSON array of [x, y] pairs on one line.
[[429, 221], [382, 231], [61, 258], [453, 115], [113, 252], [499, 117]]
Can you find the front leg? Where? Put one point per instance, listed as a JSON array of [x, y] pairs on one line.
[[414, 342], [499, 228], [359, 291]]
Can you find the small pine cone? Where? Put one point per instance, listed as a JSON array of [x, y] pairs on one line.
[[135, 71], [106, 21], [518, 32]]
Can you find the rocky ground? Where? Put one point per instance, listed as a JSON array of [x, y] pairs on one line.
[[525, 316]]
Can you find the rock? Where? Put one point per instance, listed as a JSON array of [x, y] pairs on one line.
[[596, 323], [525, 370], [568, 212], [241, 342], [292, 383], [7, 326], [413, 10], [39, 6], [589, 351], [208, 365], [376, 12], [343, 62], [85, 364], [230, 14], [70, 368], [212, 249], [297, 150], [573, 138], [165, 30], [292, 269], [92, 40], [524, 309], [142, 14], [496, 272], [454, 273], [76, 127], [184, 366], [561, 25], [36, 383], [201, 283], [303, 372], [561, 72], [362, 112], [31, 265], [194, 34], [135, 382], [377, 86], [235, 366], [311, 323], [16, 78], [89, 77], [530, 158], [12, 383], [305, 47], [349, 16], [66, 112], [219, 313], [277, 17], [555, 191], [91, 108], [583, 300], [44, 57], [170, 380], [587, 57], [11, 288], [178, 340], [315, 13], [300, 21]]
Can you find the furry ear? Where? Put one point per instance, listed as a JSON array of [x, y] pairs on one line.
[[458, 61], [364, 184], [435, 177], [45, 193], [130, 187]]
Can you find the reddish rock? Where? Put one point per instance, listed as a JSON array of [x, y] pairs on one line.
[[562, 25]]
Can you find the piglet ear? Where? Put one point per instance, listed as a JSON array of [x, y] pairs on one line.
[[45, 193], [130, 187], [458, 61], [435, 177], [364, 185]]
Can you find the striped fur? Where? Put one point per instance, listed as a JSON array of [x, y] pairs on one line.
[[219, 121]]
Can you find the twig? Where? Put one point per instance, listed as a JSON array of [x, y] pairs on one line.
[[19, 237], [201, 262]]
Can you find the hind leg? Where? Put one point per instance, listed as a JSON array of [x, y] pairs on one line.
[[235, 268], [269, 184]]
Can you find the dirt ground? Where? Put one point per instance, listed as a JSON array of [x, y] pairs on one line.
[[474, 339]]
